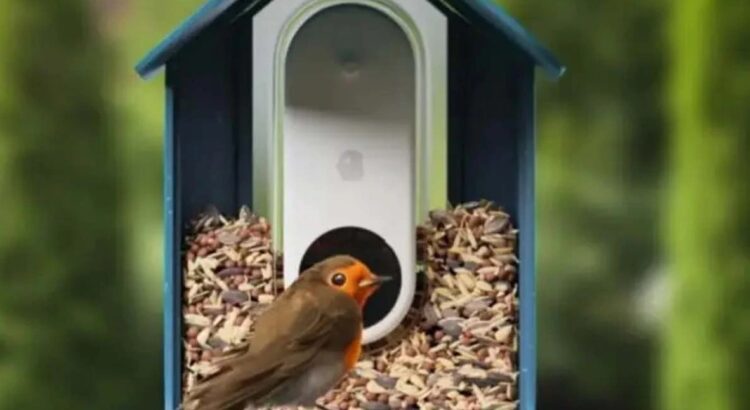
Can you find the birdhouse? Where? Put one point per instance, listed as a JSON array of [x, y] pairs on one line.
[[344, 122]]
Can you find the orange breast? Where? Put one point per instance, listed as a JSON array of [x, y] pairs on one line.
[[353, 351]]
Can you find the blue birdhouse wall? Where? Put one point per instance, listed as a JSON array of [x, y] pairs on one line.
[[208, 150]]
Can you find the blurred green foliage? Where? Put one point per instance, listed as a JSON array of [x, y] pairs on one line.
[[80, 177], [707, 360], [655, 97], [65, 304], [601, 132]]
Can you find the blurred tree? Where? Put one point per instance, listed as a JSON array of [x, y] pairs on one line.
[[65, 309], [708, 338], [600, 152]]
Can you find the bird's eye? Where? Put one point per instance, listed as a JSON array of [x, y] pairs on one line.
[[338, 279]]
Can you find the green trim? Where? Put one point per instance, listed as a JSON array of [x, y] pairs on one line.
[[438, 190]]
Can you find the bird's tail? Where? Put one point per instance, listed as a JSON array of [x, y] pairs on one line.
[[233, 388]]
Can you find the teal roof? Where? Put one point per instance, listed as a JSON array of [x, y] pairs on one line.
[[480, 11]]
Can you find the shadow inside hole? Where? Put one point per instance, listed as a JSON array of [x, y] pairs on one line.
[[374, 252]]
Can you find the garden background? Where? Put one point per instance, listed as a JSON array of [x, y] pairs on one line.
[[643, 190]]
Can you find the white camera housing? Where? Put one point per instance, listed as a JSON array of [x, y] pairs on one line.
[[349, 129]]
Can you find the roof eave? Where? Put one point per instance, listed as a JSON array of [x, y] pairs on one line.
[[185, 32], [494, 15]]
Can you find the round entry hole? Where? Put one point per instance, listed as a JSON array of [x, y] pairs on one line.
[[374, 252]]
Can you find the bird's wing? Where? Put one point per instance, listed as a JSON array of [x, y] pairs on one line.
[[288, 340], [291, 312]]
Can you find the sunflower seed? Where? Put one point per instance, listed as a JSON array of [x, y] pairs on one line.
[[265, 299], [451, 326], [476, 305], [375, 405], [234, 297], [197, 320]]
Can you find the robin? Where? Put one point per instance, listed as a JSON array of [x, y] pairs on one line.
[[306, 341]]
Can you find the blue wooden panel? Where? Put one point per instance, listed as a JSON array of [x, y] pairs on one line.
[[208, 154], [204, 124], [242, 64], [484, 117], [527, 242], [491, 155], [172, 276], [458, 85]]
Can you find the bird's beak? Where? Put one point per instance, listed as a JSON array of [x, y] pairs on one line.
[[374, 281]]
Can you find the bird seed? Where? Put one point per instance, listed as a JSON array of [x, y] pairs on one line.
[[456, 349]]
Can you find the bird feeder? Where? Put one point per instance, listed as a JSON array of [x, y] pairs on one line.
[[344, 122]]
